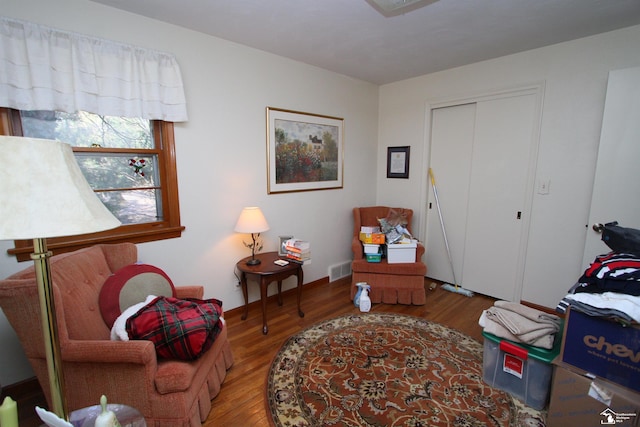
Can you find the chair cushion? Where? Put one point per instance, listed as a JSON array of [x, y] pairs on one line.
[[383, 267], [180, 328], [119, 328], [131, 285], [77, 278]]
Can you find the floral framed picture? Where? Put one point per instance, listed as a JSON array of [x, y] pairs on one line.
[[398, 162], [304, 151]]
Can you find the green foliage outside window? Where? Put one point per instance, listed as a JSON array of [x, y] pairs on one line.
[[116, 155]]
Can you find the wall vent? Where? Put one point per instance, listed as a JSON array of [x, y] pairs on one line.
[[338, 271]]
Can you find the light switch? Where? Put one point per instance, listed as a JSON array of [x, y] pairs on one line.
[[543, 186]]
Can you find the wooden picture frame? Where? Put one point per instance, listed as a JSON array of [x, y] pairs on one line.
[[398, 162], [281, 239], [304, 151]]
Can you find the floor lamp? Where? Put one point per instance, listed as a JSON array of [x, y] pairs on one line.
[[44, 194]]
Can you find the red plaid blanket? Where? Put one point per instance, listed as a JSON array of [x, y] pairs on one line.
[[180, 328]]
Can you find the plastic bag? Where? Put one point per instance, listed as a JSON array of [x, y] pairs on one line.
[[621, 239]]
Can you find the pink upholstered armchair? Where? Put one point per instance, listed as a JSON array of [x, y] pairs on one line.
[[167, 392], [401, 283]]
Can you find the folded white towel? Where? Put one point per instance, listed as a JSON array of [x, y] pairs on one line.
[[545, 341], [530, 313], [520, 323], [628, 304]]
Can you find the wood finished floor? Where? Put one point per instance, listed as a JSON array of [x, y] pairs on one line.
[[241, 401]]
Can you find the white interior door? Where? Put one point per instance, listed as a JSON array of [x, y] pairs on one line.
[[616, 187], [452, 130], [497, 196], [480, 153]]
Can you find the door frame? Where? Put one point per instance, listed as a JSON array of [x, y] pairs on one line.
[[535, 88]]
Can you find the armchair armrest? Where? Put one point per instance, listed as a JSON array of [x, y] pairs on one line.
[[140, 352], [357, 248], [419, 252], [123, 370], [192, 291]]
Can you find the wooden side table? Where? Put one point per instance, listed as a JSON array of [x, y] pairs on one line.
[[265, 273]]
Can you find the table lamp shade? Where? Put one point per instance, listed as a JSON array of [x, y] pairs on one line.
[[43, 192], [251, 220]]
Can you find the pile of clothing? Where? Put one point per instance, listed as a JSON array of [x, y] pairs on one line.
[[610, 287], [522, 324]]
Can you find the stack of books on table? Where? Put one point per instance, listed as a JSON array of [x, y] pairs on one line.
[[298, 251]]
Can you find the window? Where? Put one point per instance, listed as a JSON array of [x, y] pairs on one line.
[[129, 163]]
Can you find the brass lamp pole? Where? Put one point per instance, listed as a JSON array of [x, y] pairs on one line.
[[40, 257], [51, 199]]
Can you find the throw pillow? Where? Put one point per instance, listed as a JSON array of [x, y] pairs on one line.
[[119, 329], [131, 285], [179, 328]]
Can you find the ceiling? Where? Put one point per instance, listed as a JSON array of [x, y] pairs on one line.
[[350, 37]]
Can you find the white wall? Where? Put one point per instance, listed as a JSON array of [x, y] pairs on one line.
[[575, 78], [221, 153], [221, 150]]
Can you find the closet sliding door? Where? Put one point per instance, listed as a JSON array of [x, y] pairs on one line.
[[481, 154], [452, 129]]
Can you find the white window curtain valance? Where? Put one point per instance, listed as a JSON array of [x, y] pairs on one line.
[[48, 69]]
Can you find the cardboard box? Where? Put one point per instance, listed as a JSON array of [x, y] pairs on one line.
[[580, 401], [521, 370], [401, 252], [376, 238], [369, 229], [602, 347]]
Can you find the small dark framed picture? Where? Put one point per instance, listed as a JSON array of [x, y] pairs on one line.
[[398, 162]]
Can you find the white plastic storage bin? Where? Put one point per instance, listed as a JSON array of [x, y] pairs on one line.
[[521, 370], [401, 252], [371, 248]]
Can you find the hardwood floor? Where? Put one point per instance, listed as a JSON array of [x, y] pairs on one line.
[[241, 401]]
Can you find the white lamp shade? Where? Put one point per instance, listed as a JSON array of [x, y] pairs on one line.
[[43, 192], [251, 221]]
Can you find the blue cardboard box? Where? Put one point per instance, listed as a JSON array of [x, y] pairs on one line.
[[602, 347]]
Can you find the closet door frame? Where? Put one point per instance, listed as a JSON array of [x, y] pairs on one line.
[[536, 89]]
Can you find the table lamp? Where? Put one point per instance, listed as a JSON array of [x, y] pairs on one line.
[[44, 194], [252, 221]]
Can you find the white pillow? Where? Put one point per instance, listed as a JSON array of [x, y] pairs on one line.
[[119, 329]]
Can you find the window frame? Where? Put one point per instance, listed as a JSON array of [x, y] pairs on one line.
[[167, 228]]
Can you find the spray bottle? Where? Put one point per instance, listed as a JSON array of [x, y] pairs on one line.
[[356, 299], [365, 301]]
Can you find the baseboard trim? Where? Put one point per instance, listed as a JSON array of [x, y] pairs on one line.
[[27, 394], [26, 388]]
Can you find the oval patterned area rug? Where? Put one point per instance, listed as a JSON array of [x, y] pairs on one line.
[[376, 369]]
